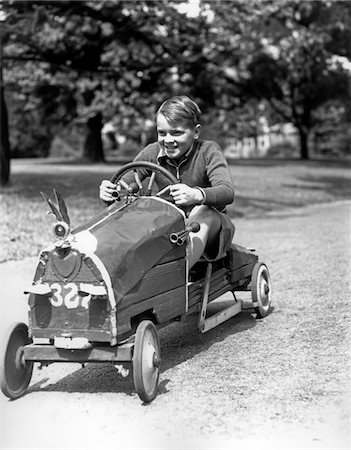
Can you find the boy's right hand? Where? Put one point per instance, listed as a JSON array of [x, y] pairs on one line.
[[107, 191]]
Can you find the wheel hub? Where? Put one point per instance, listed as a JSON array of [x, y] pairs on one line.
[[151, 359], [20, 359], [156, 360], [264, 291]]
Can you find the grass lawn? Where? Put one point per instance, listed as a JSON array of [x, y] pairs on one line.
[[261, 187]]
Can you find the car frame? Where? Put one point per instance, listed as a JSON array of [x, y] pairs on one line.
[[101, 292]]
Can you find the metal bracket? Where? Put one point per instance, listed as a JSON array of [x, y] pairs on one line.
[[202, 316], [204, 324]]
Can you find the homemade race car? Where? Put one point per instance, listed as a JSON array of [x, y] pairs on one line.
[[100, 292]]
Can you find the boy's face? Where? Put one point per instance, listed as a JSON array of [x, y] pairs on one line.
[[175, 140]]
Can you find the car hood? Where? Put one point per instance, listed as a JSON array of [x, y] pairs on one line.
[[131, 239]]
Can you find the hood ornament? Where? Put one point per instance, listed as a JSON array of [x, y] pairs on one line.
[[62, 227]]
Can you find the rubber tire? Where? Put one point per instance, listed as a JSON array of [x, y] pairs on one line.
[[260, 282], [14, 375], [146, 359]]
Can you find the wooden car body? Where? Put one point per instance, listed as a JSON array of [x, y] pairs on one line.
[[100, 292], [121, 266]]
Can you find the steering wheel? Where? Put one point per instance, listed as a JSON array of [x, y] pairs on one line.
[[133, 188]]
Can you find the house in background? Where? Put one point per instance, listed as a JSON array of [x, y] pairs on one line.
[[267, 139]]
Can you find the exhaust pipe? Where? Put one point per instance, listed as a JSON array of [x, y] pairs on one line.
[[180, 237]]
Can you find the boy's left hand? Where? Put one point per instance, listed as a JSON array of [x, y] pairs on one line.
[[185, 195]]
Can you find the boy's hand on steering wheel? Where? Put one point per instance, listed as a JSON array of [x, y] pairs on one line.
[[107, 190], [185, 195]]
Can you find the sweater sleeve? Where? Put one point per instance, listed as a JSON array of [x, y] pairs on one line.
[[221, 190]]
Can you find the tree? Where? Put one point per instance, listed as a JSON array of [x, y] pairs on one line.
[[4, 134], [5, 143], [100, 59], [287, 54], [295, 63], [92, 61]]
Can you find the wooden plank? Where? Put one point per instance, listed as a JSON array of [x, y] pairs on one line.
[[220, 317], [219, 274], [49, 353], [165, 307], [241, 256], [197, 287], [159, 279], [242, 273], [219, 280], [248, 305], [196, 301], [91, 335], [214, 286]]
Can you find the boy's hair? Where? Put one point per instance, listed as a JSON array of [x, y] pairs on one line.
[[180, 109]]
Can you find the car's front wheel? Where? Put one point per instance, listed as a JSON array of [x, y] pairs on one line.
[[146, 361], [15, 372]]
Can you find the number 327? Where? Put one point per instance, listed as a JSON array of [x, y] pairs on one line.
[[68, 295]]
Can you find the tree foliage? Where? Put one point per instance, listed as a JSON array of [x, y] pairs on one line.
[[294, 57], [89, 62], [85, 59]]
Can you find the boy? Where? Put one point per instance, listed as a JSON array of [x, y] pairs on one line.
[[204, 179]]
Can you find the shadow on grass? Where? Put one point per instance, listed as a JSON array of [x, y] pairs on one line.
[[253, 207], [72, 184], [299, 191], [285, 162], [338, 186], [180, 342]]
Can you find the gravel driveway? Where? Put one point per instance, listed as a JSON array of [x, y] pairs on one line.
[[280, 382]]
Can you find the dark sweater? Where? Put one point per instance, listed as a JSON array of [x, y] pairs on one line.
[[204, 166]]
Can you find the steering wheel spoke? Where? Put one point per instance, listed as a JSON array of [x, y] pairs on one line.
[[151, 182], [136, 188], [138, 181], [124, 185], [163, 191]]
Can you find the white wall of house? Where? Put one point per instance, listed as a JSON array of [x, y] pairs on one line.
[[258, 146]]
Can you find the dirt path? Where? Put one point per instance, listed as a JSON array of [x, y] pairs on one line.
[[281, 382]]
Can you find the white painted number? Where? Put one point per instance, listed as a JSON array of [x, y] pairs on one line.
[[72, 297], [56, 298], [85, 301], [68, 295]]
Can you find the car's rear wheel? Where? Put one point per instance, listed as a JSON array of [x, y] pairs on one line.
[[261, 290], [146, 361], [15, 372]]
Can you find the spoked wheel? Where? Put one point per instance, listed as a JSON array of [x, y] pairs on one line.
[[146, 361], [15, 372], [261, 289]]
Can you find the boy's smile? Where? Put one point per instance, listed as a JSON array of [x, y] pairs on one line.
[[175, 140]]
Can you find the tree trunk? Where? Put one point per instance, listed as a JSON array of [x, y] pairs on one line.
[[5, 143], [304, 150], [93, 148]]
